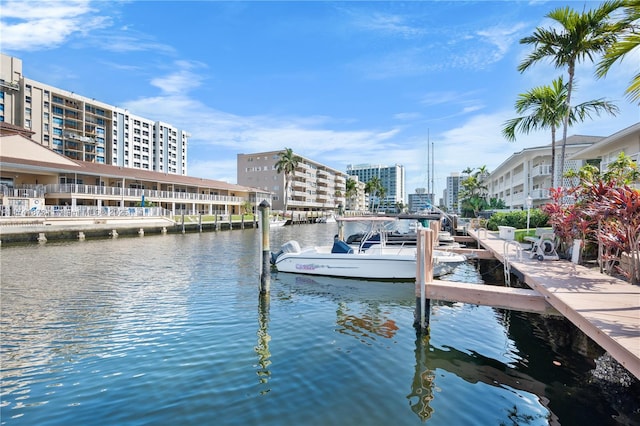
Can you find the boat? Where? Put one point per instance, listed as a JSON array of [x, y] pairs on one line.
[[408, 236], [326, 219], [367, 260], [276, 222]]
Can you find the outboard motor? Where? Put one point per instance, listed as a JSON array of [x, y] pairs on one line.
[[288, 247]]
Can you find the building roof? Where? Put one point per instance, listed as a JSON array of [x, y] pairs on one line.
[[20, 152], [596, 149]]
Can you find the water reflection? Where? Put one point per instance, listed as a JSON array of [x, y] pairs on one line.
[[423, 381], [368, 324], [262, 348]]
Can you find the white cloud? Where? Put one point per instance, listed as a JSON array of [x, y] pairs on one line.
[[388, 24], [33, 25]]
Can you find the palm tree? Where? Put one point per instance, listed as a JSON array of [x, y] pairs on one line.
[[628, 26], [546, 105], [582, 36], [351, 189], [287, 164], [374, 188]]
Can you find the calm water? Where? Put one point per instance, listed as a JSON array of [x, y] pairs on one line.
[[168, 330]]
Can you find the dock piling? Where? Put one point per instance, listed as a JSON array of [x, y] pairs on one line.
[[424, 276], [265, 275]]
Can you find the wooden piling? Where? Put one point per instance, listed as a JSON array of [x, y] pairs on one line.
[[265, 273], [424, 276]]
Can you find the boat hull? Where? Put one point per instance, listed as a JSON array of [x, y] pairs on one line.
[[381, 266], [398, 267]]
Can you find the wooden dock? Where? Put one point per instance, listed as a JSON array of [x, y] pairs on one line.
[[605, 308]]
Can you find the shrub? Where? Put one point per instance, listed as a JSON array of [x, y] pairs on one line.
[[518, 219]]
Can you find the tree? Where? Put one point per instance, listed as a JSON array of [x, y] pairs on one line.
[[287, 164], [374, 188], [630, 39], [351, 189], [581, 36], [473, 192], [546, 106]]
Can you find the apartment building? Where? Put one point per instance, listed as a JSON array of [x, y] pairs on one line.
[[37, 180], [451, 192], [314, 186], [420, 200], [84, 129], [392, 179], [608, 149], [528, 172]]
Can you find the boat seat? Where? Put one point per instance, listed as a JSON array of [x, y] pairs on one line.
[[340, 246]]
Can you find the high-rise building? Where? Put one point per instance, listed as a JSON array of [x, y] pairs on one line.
[[314, 186], [88, 130], [451, 193], [420, 200], [392, 179]]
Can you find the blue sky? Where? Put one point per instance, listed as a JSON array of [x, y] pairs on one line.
[[341, 83]]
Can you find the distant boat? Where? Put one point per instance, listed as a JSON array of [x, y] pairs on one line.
[[326, 219], [276, 222]]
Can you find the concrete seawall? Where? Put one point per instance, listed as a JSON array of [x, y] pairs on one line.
[[26, 230]]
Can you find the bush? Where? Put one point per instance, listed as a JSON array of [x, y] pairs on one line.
[[518, 219]]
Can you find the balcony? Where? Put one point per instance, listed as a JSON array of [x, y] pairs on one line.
[[541, 170]]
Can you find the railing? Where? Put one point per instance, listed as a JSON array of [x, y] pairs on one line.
[[541, 170], [115, 191], [85, 211]]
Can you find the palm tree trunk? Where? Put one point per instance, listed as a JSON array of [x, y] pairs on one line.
[[553, 156], [566, 120]]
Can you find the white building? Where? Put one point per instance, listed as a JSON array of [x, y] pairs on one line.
[[314, 186], [420, 200], [392, 179], [88, 130], [451, 192], [528, 172], [625, 141]]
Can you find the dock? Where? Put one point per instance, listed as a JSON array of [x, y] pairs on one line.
[[605, 308]]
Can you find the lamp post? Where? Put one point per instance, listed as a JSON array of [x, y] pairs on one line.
[[529, 202]]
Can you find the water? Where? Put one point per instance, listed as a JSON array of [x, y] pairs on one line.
[[167, 330]]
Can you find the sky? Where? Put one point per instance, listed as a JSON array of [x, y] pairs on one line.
[[340, 82]]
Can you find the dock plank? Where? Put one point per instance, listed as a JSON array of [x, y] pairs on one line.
[[605, 308]]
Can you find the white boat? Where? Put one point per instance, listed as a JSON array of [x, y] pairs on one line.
[[276, 222], [376, 262], [326, 219]]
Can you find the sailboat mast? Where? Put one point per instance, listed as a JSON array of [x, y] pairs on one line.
[[433, 187], [428, 188]]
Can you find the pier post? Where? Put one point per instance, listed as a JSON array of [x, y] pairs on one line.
[[265, 275], [183, 222], [424, 276], [340, 222], [200, 222]]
